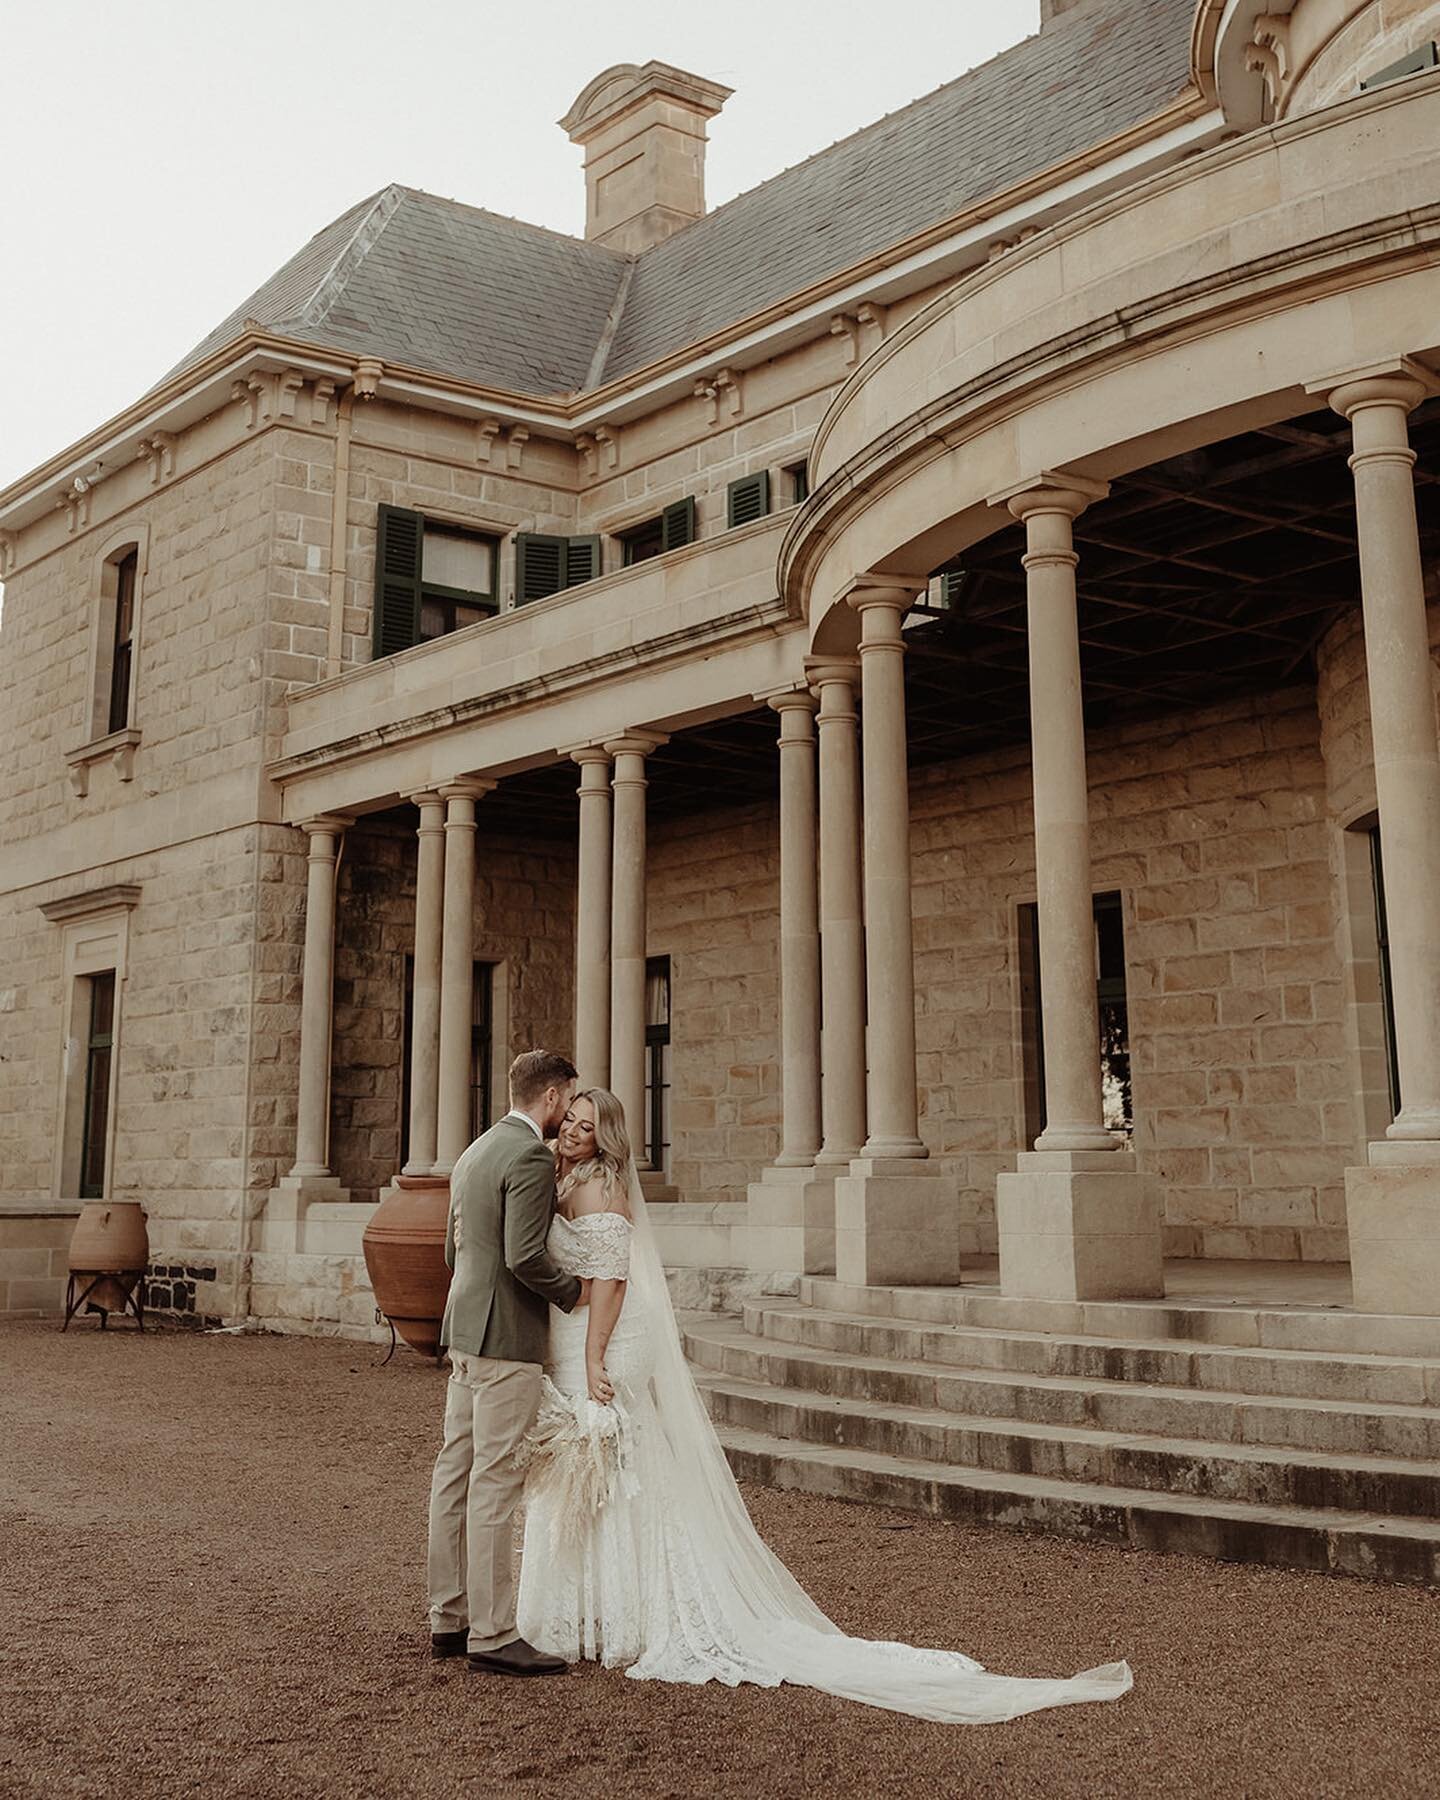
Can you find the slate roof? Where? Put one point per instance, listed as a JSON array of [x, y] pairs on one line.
[[416, 279]]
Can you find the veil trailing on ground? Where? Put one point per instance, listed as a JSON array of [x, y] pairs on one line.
[[768, 1612]]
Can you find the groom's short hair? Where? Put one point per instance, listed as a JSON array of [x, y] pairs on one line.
[[535, 1070]]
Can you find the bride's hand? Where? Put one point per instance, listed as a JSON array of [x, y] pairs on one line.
[[602, 1390]]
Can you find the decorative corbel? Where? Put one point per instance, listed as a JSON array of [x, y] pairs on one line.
[[588, 449], [287, 387], [610, 439], [710, 394], [845, 325], [78, 775], [486, 432], [368, 371], [123, 757], [871, 317], [727, 383], [76, 505], [322, 392], [158, 453], [516, 438], [242, 390], [9, 541]]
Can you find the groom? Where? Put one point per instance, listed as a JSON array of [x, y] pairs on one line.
[[496, 1324]]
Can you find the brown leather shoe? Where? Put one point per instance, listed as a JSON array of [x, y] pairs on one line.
[[517, 1658], [449, 1643]]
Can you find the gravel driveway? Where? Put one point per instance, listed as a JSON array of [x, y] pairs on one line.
[[210, 1585]]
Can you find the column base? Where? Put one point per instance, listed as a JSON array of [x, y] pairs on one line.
[[1392, 1207], [282, 1223], [897, 1223], [790, 1230], [1075, 1225]]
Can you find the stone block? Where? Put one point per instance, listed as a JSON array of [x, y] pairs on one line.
[[1072, 1231], [1393, 1216], [790, 1227], [897, 1223]]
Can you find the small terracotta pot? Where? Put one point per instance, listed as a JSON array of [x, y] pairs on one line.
[[405, 1254], [110, 1239]]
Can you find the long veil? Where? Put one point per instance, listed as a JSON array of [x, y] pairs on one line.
[[767, 1610]]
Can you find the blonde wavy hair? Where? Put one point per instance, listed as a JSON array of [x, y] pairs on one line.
[[610, 1163]]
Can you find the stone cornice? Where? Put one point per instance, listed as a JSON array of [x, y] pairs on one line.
[[1342, 259], [116, 897]]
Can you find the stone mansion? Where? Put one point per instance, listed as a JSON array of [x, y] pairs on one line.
[[920, 674]]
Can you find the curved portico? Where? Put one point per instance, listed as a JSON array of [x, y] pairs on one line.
[[1209, 312]]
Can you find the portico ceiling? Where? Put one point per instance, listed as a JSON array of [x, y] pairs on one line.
[[1200, 578]]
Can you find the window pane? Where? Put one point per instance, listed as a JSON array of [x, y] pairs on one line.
[[657, 992], [450, 559], [434, 619], [102, 1006], [644, 542]]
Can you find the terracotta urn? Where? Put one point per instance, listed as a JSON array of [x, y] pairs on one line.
[[405, 1255], [110, 1239]]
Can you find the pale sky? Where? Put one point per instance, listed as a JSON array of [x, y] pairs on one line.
[[161, 158]]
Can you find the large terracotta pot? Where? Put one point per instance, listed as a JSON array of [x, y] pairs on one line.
[[405, 1254], [110, 1239]]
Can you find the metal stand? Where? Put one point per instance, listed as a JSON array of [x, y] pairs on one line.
[[134, 1302], [380, 1319]]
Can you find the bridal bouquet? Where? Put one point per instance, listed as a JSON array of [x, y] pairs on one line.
[[577, 1451]]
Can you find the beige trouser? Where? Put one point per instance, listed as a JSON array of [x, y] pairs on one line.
[[489, 1406]]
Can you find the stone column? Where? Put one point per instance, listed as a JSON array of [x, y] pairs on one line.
[[316, 999], [457, 971], [896, 1219], [799, 934], [1073, 1222], [1393, 1204], [592, 919], [894, 1106], [425, 1006], [842, 929], [627, 929], [790, 1228]]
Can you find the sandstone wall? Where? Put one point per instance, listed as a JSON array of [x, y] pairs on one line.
[[1213, 828], [524, 925]]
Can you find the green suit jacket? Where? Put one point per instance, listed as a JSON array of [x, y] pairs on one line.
[[502, 1191]]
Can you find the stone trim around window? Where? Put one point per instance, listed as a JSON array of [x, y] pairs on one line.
[[118, 746]]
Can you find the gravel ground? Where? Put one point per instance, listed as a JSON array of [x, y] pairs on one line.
[[210, 1585]]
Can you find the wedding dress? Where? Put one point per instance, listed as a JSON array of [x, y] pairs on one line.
[[639, 1551]]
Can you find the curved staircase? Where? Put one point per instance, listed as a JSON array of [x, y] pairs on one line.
[[1305, 1437]]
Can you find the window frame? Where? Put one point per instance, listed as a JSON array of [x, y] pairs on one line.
[[656, 1144], [396, 587], [91, 1186], [674, 527], [127, 544]]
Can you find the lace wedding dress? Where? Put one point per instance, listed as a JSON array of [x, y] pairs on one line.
[[639, 1552]]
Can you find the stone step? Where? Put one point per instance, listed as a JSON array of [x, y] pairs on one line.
[[1252, 1474], [1213, 1416], [1294, 1374], [1336, 1329], [1388, 1549]]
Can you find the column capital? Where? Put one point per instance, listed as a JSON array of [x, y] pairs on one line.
[[636, 743], [823, 671], [426, 799], [1050, 491], [1398, 381], [586, 753], [467, 787], [791, 699], [324, 825], [879, 588]]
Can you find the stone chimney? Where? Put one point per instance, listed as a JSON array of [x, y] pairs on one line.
[[643, 133]]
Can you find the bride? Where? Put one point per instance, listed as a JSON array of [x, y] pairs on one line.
[[639, 1552]]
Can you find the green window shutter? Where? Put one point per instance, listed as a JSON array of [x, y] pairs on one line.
[[582, 560], [539, 566], [952, 585], [748, 498], [397, 579], [678, 524]]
